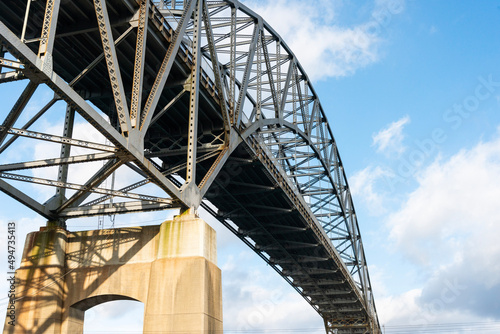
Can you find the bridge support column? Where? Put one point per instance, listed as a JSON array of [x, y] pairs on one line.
[[185, 284], [38, 289], [171, 268]]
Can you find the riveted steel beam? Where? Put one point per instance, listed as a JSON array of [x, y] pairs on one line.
[[117, 208], [194, 97], [244, 82], [28, 124], [26, 200], [17, 109], [48, 31], [164, 71], [112, 65], [140, 56], [216, 68], [60, 139]]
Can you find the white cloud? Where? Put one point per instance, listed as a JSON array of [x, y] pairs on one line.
[[390, 139], [364, 185], [324, 48], [397, 309], [406, 313], [450, 226]]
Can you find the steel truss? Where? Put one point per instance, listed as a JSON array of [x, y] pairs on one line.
[[220, 63]]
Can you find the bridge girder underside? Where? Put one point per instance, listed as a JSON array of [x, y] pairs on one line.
[[206, 102]]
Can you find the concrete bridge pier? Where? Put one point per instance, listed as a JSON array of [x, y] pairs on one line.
[[171, 268]]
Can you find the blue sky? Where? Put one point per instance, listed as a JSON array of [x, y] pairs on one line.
[[412, 93]]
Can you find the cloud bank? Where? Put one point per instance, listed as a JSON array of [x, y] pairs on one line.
[[324, 47], [449, 227]]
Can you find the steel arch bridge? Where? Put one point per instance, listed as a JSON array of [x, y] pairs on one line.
[[204, 100]]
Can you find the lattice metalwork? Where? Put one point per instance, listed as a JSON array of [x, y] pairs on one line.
[[193, 91]]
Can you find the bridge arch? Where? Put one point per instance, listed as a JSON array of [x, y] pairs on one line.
[[77, 311], [89, 302], [226, 80]]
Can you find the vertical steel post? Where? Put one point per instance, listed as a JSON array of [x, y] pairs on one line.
[[48, 35], [62, 176], [232, 66], [193, 97], [25, 22], [259, 78]]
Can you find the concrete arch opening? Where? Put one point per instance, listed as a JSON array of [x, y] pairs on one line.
[[112, 314]]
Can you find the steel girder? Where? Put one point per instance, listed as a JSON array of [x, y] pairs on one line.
[[270, 98], [216, 55]]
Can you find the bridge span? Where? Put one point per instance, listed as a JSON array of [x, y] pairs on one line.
[[204, 100]]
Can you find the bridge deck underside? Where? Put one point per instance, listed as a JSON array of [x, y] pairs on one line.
[[245, 194], [254, 201]]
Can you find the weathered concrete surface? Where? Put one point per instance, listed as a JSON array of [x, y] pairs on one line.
[[171, 268]]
